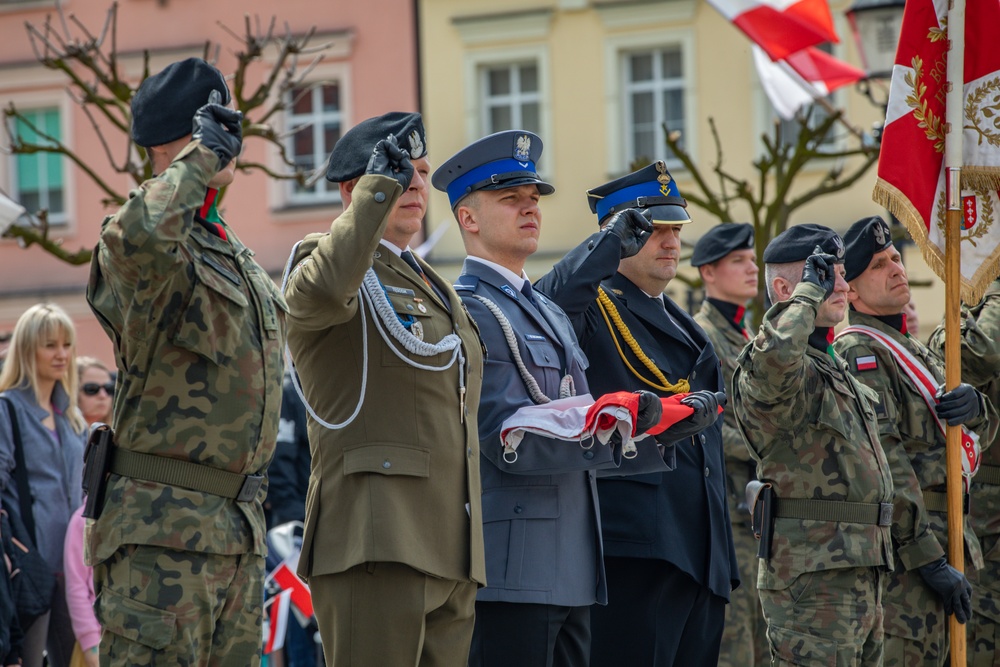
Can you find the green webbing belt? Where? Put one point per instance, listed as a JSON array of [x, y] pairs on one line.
[[988, 475], [874, 514], [185, 474], [937, 501]]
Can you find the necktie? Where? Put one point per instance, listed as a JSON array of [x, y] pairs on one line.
[[408, 257], [528, 293]]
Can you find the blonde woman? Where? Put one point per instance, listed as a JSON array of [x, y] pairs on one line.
[[39, 379]]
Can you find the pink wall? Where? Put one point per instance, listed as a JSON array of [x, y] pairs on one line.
[[382, 72]]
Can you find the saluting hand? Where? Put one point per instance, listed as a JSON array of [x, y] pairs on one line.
[[819, 270], [632, 227], [388, 159], [218, 128]]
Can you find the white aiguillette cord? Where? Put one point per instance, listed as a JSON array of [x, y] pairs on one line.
[[384, 318]]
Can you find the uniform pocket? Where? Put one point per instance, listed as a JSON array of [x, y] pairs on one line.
[[519, 526], [386, 459], [212, 324], [135, 621], [799, 648]]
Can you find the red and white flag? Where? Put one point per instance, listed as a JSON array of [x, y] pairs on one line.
[[911, 165], [277, 621], [284, 575], [802, 78], [781, 27]]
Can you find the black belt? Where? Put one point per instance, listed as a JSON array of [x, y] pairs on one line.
[[873, 514], [185, 474]]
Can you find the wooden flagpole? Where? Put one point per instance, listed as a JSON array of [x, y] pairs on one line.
[[953, 282]]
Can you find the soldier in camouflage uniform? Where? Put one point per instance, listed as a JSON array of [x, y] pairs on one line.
[[981, 368], [725, 257], [923, 588], [198, 332], [811, 428]]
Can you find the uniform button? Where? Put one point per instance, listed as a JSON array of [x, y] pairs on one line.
[[588, 454], [468, 452], [518, 509], [386, 464], [706, 471], [702, 436], [379, 197], [694, 374]]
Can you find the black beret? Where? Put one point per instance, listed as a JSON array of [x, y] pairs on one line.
[[650, 188], [863, 239], [500, 160], [797, 243], [721, 240], [165, 103], [351, 153]]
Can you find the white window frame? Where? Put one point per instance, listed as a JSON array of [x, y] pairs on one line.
[[326, 193], [618, 101], [513, 100]]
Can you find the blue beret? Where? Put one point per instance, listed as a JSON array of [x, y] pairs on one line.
[[650, 188], [863, 239], [352, 151], [721, 240], [797, 243], [165, 103], [501, 160]]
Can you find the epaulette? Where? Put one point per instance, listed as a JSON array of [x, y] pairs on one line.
[[466, 283]]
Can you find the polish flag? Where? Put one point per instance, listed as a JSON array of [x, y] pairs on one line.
[[284, 575], [781, 27], [802, 77], [277, 621]]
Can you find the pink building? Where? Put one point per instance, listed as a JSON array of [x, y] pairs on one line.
[[369, 68]]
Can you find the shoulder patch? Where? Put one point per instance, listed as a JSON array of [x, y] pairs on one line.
[[466, 283], [881, 408], [866, 363]]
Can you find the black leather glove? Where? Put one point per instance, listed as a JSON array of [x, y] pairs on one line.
[[650, 411], [219, 129], [388, 159], [632, 228], [819, 270], [706, 411], [951, 586], [958, 406]]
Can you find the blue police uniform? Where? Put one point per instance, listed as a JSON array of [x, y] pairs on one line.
[[669, 552]]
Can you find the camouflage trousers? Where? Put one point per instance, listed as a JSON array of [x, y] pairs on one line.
[[983, 631], [916, 627], [161, 606], [831, 617], [744, 639]]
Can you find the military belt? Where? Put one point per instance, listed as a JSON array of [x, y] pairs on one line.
[[936, 501], [873, 514], [185, 474], [988, 475]]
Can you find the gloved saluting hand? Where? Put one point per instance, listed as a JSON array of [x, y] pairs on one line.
[[632, 228], [650, 411], [706, 411], [388, 159], [951, 586], [819, 270], [958, 406], [218, 128]]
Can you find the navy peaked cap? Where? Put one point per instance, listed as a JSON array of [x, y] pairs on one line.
[[351, 153], [650, 188], [721, 240], [863, 240], [164, 105], [797, 243], [501, 160]]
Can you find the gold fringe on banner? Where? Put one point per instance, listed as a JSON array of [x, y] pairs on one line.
[[981, 178]]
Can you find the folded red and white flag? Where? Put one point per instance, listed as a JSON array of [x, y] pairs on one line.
[[277, 621], [284, 575], [781, 27]]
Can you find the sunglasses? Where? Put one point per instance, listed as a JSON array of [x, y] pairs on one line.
[[91, 388]]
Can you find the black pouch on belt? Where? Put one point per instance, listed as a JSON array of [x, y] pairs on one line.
[[760, 500], [96, 461]]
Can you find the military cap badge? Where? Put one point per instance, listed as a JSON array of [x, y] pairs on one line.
[[522, 148], [416, 144]]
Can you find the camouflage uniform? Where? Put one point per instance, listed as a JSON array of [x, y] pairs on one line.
[[811, 427], [744, 639], [198, 330], [981, 368], [915, 621]]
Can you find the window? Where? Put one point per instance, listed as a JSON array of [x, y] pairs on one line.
[[511, 98], [314, 121], [38, 179], [654, 95]]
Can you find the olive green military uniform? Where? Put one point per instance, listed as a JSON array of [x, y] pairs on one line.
[[399, 485], [915, 621], [981, 368], [811, 428], [744, 639], [198, 331]]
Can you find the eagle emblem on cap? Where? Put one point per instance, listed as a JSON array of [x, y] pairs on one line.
[[416, 144], [522, 148], [837, 241], [880, 232]]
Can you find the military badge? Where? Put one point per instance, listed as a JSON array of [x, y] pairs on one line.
[[839, 242], [509, 291], [522, 148], [881, 233], [416, 145], [417, 329], [869, 363]]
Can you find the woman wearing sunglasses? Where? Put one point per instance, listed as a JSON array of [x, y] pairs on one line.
[[38, 382], [97, 390]]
